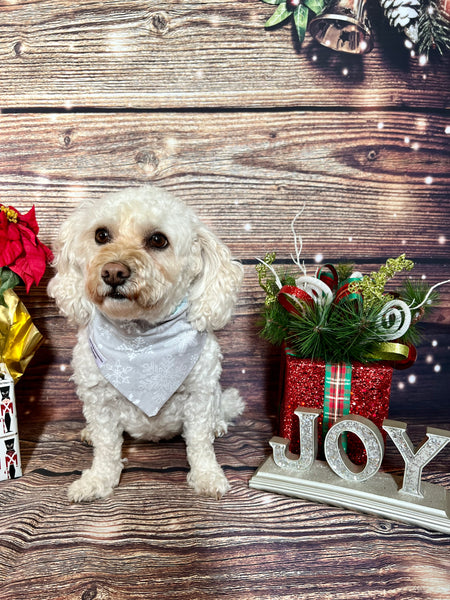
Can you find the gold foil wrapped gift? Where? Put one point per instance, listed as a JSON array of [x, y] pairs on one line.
[[19, 338]]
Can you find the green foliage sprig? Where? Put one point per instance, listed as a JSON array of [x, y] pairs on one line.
[[433, 28], [372, 286], [427, 24], [298, 9], [344, 331]]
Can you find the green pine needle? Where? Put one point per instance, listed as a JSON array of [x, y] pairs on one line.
[[434, 29], [344, 270], [346, 331], [414, 293]]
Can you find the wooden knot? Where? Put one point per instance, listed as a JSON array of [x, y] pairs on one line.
[[67, 137], [18, 49], [159, 22], [147, 160], [372, 154], [90, 593]]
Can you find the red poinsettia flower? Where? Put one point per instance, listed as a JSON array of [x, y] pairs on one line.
[[20, 249]]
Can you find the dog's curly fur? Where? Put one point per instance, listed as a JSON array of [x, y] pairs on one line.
[[194, 265]]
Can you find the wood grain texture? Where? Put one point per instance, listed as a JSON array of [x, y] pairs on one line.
[[362, 177], [198, 98], [154, 538], [178, 54]]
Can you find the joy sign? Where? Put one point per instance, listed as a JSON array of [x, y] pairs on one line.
[[342, 483]]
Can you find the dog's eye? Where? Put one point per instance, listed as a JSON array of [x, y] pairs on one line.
[[157, 240], [102, 235]]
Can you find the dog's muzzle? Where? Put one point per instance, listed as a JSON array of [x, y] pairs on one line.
[[115, 274]]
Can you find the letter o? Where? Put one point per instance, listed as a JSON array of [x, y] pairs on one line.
[[369, 435]]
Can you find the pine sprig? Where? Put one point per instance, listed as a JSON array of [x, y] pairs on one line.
[[434, 29], [415, 293], [310, 333], [337, 333], [275, 320], [349, 328], [344, 270]]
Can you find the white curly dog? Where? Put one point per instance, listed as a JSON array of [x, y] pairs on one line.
[[147, 284]]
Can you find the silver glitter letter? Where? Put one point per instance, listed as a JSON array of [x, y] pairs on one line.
[[373, 442], [415, 461], [308, 443]]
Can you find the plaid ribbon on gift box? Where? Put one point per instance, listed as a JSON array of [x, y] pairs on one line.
[[336, 399]]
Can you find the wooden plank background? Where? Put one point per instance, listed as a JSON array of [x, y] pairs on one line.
[[177, 53], [245, 127]]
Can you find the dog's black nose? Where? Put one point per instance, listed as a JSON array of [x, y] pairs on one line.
[[115, 273]]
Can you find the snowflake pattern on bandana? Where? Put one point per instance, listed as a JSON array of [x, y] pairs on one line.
[[147, 364]]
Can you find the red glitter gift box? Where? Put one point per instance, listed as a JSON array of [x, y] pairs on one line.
[[303, 383]]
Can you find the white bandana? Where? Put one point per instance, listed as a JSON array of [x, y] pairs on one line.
[[146, 363]]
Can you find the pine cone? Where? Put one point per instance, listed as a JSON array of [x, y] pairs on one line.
[[401, 13], [412, 32]]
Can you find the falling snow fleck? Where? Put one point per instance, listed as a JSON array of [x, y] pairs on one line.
[[437, 368], [412, 379]]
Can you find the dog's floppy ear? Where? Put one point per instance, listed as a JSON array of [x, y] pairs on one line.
[[67, 286], [214, 291]]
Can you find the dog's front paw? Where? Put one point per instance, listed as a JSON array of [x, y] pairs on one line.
[[88, 488], [86, 437], [212, 484]]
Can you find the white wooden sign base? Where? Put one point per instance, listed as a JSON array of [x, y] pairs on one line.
[[378, 495]]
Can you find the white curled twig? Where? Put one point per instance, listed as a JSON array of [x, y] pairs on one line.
[[428, 295], [298, 243]]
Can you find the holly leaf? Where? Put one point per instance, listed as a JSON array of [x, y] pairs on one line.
[[281, 14], [301, 21], [273, 1], [315, 5]]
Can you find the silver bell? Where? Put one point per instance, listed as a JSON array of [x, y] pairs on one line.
[[344, 26]]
